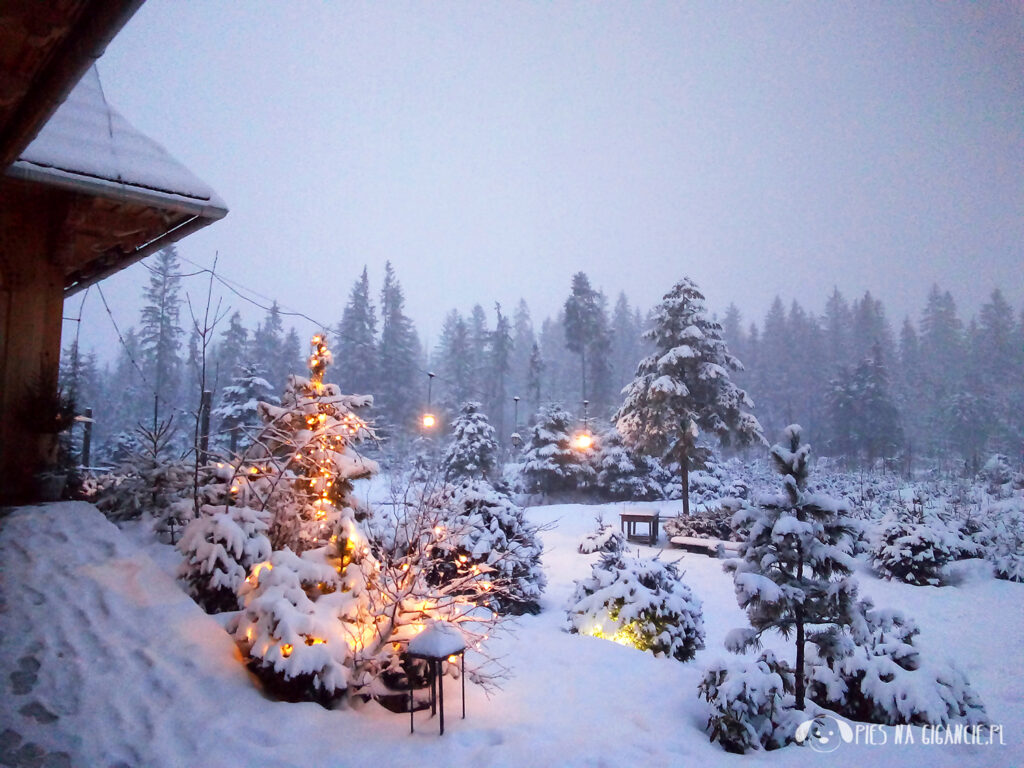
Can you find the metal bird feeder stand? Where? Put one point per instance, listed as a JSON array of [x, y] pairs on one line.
[[438, 643]]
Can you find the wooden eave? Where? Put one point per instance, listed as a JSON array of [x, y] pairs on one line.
[[45, 48]]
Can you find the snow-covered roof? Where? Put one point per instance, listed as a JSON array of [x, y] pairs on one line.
[[88, 146]]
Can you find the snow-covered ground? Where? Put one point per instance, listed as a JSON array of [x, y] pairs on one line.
[[104, 661]]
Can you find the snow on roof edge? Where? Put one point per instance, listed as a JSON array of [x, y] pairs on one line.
[[88, 146]]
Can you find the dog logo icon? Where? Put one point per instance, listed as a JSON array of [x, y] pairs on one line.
[[824, 733]]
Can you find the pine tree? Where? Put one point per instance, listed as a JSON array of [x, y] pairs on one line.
[[550, 463], [791, 576], [238, 413], [582, 324], [523, 340], [160, 332], [499, 365], [624, 343], [231, 350], [357, 340], [400, 395], [533, 377], [268, 346], [473, 451], [684, 387], [455, 367]]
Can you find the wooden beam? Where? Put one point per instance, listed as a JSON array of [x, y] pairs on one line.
[[87, 37]]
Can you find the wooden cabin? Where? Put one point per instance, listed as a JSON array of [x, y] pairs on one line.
[[83, 195]]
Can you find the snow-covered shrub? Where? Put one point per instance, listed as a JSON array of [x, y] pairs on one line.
[[607, 538], [220, 548], [473, 451], [1003, 537], [914, 546], [303, 619], [486, 535], [550, 463], [751, 703], [624, 474], [638, 602], [711, 522], [877, 676], [997, 473]]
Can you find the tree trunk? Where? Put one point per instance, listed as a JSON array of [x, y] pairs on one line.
[[583, 370], [799, 671], [684, 473]]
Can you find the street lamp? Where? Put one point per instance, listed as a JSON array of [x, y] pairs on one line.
[[515, 437], [583, 440], [429, 420]]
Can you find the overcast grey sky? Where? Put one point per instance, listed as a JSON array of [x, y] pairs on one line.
[[490, 150]]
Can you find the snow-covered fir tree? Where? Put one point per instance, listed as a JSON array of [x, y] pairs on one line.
[[237, 413], [684, 387], [160, 332], [399, 350], [221, 546], [639, 602], [356, 348], [792, 573], [872, 672], [625, 474], [307, 610], [485, 533], [550, 462], [607, 538], [473, 450], [914, 546]]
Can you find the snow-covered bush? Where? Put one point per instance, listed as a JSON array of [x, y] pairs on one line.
[[624, 474], [303, 619], [1003, 538], [877, 676], [607, 538], [915, 547], [751, 703], [997, 473], [152, 480], [550, 463], [640, 603], [220, 548], [473, 451], [712, 522], [485, 533]]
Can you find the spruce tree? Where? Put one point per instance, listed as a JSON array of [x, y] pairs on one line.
[[792, 573], [473, 451], [583, 329], [356, 348], [550, 462], [160, 332], [454, 364], [399, 389], [684, 387], [238, 412], [268, 347], [499, 366]]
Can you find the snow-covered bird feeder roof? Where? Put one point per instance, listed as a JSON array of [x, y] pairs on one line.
[[88, 146], [438, 641]]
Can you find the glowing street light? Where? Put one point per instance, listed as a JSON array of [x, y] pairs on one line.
[[582, 441], [429, 421]]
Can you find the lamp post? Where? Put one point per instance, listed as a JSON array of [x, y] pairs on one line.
[[516, 438], [428, 418], [583, 440]]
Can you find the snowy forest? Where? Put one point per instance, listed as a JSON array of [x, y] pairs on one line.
[[939, 389]]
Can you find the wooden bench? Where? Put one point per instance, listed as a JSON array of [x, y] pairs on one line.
[[709, 547], [628, 519]]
